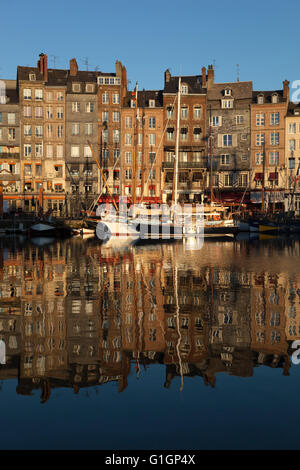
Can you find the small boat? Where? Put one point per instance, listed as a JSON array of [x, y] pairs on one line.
[[42, 230]]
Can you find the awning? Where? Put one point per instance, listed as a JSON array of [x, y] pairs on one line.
[[197, 130], [151, 186], [170, 129], [259, 176], [273, 176], [183, 130]]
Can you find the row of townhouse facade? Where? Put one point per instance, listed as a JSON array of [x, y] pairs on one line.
[[79, 137]]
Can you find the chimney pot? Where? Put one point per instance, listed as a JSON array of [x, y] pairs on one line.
[[73, 67]]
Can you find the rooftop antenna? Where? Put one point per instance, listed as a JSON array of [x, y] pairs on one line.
[[237, 72], [54, 58], [86, 62]]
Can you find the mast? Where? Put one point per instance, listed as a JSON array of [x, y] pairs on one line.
[[175, 175], [211, 164], [135, 142], [263, 179]]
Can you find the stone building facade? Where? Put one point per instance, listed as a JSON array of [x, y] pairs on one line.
[[228, 126], [292, 158]]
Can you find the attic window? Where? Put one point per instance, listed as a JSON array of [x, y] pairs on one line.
[[227, 92], [184, 89], [260, 99], [32, 77], [76, 87], [275, 98], [151, 103], [89, 88]]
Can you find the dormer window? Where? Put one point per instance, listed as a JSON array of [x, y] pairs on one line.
[[89, 88], [227, 92], [260, 99], [151, 103], [184, 89], [76, 87], [132, 103], [32, 77], [275, 98]]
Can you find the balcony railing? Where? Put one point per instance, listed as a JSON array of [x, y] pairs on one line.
[[186, 165], [9, 155]]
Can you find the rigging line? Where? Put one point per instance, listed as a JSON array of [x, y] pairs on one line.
[[161, 140], [177, 323]]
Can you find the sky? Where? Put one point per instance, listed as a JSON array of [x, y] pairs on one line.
[[149, 37]]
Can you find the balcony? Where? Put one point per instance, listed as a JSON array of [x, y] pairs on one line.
[[10, 155]]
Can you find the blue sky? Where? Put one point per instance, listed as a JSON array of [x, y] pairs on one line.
[[148, 37]]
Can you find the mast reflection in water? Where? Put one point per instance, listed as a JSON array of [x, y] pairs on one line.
[[162, 323]]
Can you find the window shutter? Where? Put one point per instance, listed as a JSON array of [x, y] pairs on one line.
[[220, 140], [220, 121], [234, 140]]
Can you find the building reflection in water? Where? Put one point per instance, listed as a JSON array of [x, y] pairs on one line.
[[76, 315]]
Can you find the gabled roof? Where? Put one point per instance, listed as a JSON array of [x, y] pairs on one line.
[[194, 83], [143, 98], [268, 96], [239, 90]]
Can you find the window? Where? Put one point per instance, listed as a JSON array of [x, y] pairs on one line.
[[132, 103], [197, 157], [243, 179], [60, 96], [275, 98], [38, 170], [49, 151], [152, 174], [260, 99], [27, 150], [116, 154], [116, 98], [227, 140], [244, 158], [116, 136], [105, 98], [128, 174], [11, 133], [105, 116], [170, 133], [228, 180], [128, 122], [151, 139], [49, 112], [90, 107], [216, 121], [116, 116], [27, 170], [49, 130], [128, 139], [11, 118], [260, 140], [184, 133], [227, 104], [128, 158], [60, 113], [274, 138], [39, 131], [38, 150], [259, 158], [184, 89], [292, 128], [260, 119], [27, 93], [38, 112], [151, 157], [75, 107], [76, 88], [151, 103], [27, 130], [183, 156], [60, 130], [170, 112], [105, 135], [87, 151], [225, 159], [105, 156], [75, 151], [49, 96], [274, 119], [274, 158], [32, 77], [27, 111], [89, 88], [184, 112], [88, 127], [152, 123], [292, 163], [197, 112], [197, 133], [60, 151], [38, 94], [140, 139], [75, 128], [239, 119], [292, 144]]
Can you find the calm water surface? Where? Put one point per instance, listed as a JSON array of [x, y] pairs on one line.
[[155, 347]]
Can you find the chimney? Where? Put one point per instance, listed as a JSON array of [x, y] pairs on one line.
[[167, 76], [203, 77], [210, 76], [286, 89], [118, 68], [124, 81], [45, 68], [73, 67]]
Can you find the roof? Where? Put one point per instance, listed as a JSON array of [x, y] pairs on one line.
[[293, 109], [194, 83], [268, 96], [239, 90], [143, 98]]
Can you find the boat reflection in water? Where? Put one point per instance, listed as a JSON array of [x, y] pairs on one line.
[[75, 315]]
